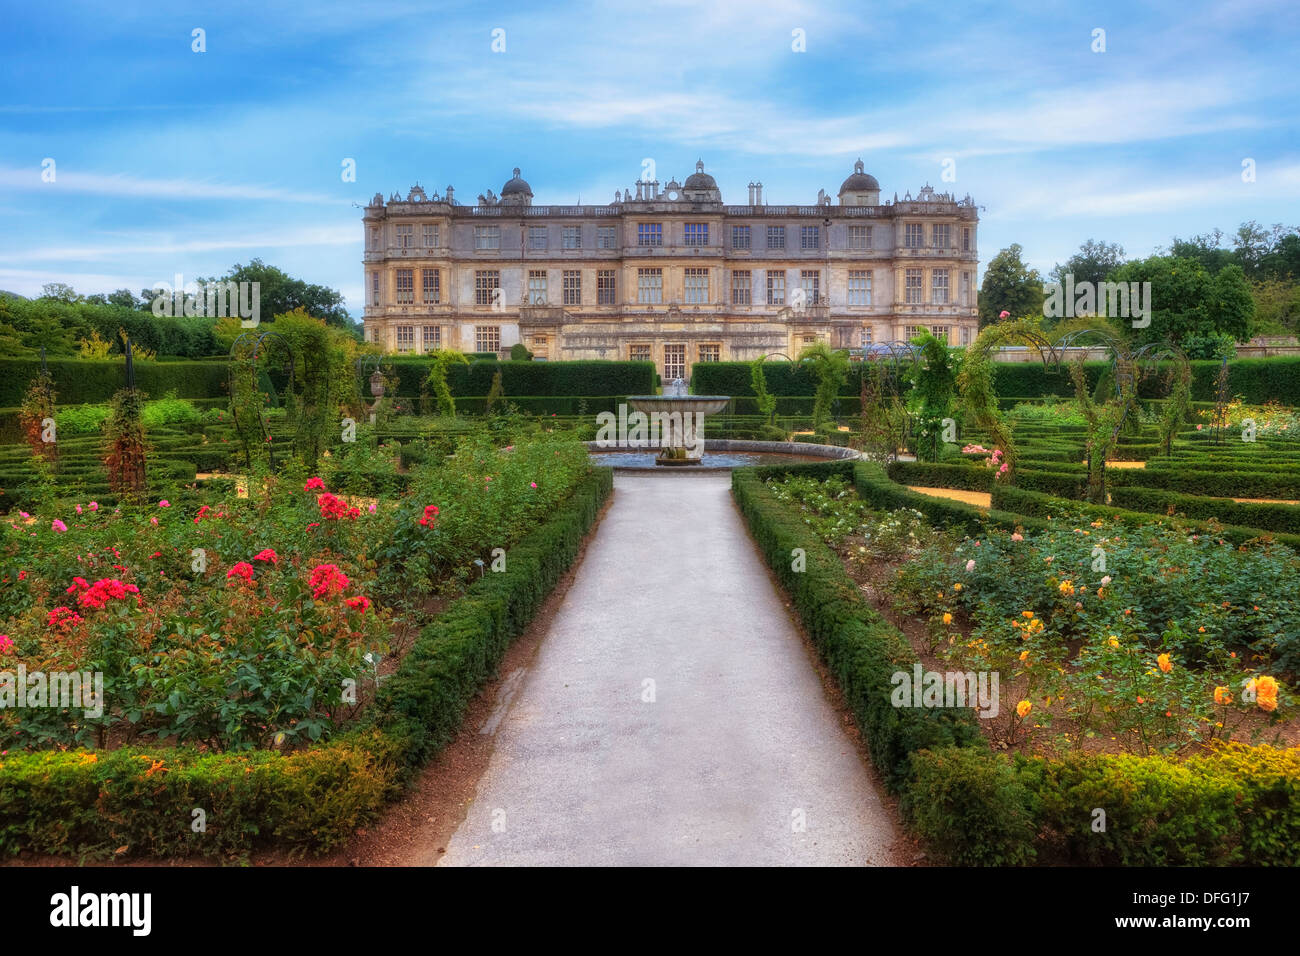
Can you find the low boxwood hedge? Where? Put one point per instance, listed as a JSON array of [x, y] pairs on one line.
[[1284, 518], [93, 803], [971, 806]]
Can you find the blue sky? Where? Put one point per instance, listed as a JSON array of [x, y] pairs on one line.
[[173, 161]]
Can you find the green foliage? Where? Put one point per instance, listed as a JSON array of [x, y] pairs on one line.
[[79, 382], [529, 378], [1011, 286], [830, 368], [1188, 300], [125, 440], [933, 380], [519, 353], [436, 381], [765, 400], [970, 806]]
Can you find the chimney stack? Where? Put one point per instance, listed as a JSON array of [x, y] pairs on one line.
[[758, 194]]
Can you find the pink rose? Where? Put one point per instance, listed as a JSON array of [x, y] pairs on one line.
[[970, 565], [58, 525]]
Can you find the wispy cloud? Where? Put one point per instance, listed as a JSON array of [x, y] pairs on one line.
[[130, 187]]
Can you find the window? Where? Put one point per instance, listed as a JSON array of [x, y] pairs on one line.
[[865, 337], [941, 332], [740, 288], [649, 286], [573, 237], [536, 237], [859, 287], [405, 286], [965, 335], [487, 287], [431, 284], [965, 288], [431, 338], [571, 287], [711, 353], [638, 353], [374, 237], [965, 239], [374, 288], [810, 237], [912, 285], [606, 237], [740, 237], [536, 286], [487, 338], [539, 343], [405, 338], [697, 286], [939, 286], [810, 280], [775, 287], [430, 236], [649, 233], [674, 362], [913, 331], [404, 235], [776, 237], [913, 235], [605, 287], [939, 235], [859, 237], [372, 333], [697, 233], [487, 237]]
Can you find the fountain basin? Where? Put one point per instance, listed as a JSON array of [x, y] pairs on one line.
[[682, 419]]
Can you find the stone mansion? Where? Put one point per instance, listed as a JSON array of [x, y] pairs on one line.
[[668, 274]]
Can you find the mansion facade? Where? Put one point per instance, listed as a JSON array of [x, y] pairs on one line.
[[670, 275]]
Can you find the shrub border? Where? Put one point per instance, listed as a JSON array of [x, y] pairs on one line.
[[89, 804]]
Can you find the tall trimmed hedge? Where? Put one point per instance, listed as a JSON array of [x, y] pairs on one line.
[[1256, 380], [90, 382], [531, 378]]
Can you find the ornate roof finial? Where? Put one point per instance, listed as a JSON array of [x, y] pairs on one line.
[[857, 167], [699, 165], [516, 172]]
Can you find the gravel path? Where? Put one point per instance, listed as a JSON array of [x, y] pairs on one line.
[[672, 715]]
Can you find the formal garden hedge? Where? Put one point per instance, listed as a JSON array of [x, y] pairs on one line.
[[1256, 380], [529, 378], [141, 801], [78, 381], [1237, 805]]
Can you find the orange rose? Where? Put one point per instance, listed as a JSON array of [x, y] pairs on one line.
[[1165, 663], [1023, 708]]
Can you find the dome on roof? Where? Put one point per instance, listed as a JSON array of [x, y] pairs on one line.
[[516, 186], [700, 179], [859, 181]]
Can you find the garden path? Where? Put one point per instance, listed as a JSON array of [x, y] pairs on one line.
[[720, 759]]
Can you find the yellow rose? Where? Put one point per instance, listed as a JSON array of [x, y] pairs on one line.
[[947, 618], [1023, 708], [1165, 663]]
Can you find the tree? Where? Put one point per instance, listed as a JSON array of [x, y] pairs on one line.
[[1277, 306], [1092, 263], [1186, 300], [61, 292], [1207, 249], [280, 293], [1010, 286]]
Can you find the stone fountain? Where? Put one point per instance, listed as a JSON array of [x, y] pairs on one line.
[[680, 420]]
